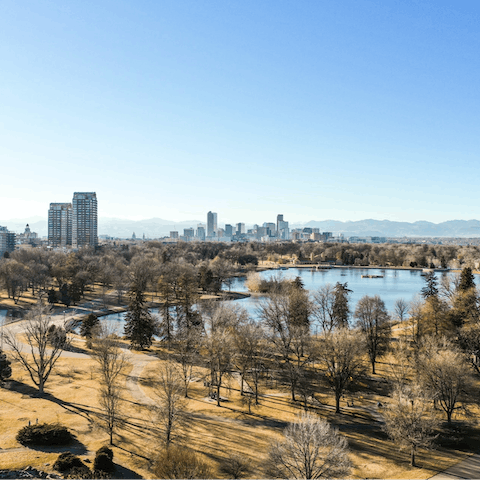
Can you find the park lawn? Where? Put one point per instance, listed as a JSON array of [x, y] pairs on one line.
[[214, 432], [220, 431]]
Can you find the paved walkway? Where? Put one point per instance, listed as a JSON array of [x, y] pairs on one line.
[[468, 468]]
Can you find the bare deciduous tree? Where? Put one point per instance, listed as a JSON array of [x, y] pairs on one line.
[[291, 343], [445, 373], [170, 408], [342, 352], [401, 309], [219, 344], [187, 353], [409, 421], [248, 340], [111, 361], [374, 322], [311, 449], [41, 357], [322, 307]]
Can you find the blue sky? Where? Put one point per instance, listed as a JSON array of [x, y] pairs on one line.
[[314, 109]]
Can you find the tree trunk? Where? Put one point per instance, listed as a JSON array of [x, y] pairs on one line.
[[218, 393], [412, 460], [337, 403], [373, 367]]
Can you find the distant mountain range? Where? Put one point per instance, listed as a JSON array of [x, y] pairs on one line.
[[158, 227], [386, 228]]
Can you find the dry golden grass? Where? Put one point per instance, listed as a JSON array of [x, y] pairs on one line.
[[214, 432]]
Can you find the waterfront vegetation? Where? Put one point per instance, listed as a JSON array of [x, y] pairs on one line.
[[233, 392]]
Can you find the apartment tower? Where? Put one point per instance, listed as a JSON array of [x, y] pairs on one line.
[[60, 224], [84, 219]]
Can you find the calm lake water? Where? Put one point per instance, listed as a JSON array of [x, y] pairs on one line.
[[395, 284]]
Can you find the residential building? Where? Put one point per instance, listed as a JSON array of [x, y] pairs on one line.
[[84, 219], [7, 241], [60, 224]]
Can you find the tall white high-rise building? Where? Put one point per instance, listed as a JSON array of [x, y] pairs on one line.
[[60, 224], [84, 219]]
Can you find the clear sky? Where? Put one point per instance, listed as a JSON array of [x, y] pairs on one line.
[[315, 109]]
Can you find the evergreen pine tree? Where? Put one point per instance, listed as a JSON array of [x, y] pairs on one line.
[[466, 280], [139, 323], [340, 309]]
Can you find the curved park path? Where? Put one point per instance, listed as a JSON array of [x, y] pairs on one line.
[[468, 468], [138, 360]]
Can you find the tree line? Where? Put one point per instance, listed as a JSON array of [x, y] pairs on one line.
[[64, 277]]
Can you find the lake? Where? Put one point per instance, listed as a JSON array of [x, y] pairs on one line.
[[395, 284]]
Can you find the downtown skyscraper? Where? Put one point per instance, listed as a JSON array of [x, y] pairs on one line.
[[211, 224]]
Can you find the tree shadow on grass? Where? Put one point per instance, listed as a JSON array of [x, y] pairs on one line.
[[123, 472], [124, 441], [74, 446], [23, 388]]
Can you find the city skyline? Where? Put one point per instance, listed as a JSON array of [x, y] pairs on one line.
[[321, 110]]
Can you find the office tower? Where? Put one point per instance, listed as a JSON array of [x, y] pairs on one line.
[[279, 219], [283, 231], [84, 219], [60, 224], [228, 230], [7, 241], [174, 234], [201, 232], [211, 224], [188, 233], [240, 228], [271, 228]]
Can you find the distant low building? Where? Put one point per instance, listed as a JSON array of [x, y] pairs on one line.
[[27, 237]]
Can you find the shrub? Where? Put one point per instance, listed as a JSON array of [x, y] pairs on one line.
[[66, 461], [178, 462], [103, 463], [106, 450], [44, 434], [79, 472]]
